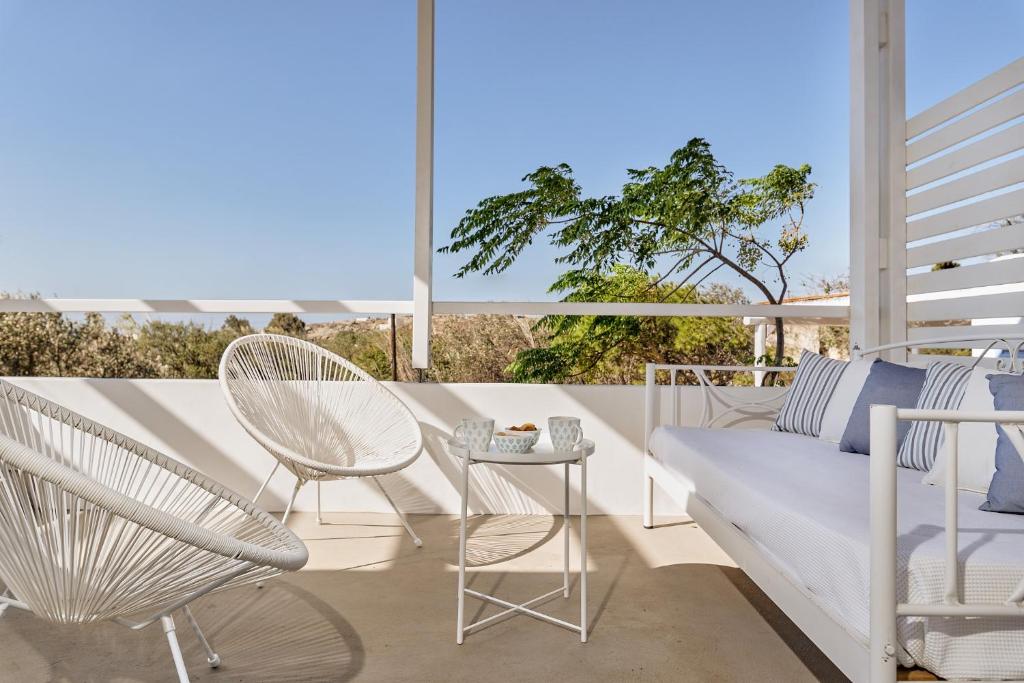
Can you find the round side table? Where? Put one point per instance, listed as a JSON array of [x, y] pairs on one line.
[[542, 454]]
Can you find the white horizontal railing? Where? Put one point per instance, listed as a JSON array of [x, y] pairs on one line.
[[202, 306], [179, 306]]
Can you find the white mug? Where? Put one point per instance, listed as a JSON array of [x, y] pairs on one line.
[[475, 432], [565, 433]]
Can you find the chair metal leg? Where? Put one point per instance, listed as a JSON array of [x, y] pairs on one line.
[[172, 640], [288, 510], [266, 481], [212, 658], [295, 492], [405, 522], [319, 515]]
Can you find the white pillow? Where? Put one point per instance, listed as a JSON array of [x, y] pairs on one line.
[[975, 443], [837, 413]]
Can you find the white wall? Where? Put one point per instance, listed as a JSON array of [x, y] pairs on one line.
[[188, 420]]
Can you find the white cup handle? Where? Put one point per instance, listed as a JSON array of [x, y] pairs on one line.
[[579, 437]]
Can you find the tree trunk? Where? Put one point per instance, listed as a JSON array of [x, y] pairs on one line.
[[780, 341]]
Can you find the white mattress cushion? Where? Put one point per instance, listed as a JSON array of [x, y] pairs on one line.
[[806, 504]]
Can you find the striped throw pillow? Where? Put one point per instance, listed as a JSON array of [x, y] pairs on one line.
[[943, 389], [816, 380]]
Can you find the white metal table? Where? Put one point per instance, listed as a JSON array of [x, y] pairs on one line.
[[542, 454]]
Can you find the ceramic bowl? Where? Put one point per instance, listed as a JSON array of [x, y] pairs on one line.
[[535, 433], [515, 442]]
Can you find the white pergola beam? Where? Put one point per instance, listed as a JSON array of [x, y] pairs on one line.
[[865, 148], [423, 251], [877, 172], [894, 193]]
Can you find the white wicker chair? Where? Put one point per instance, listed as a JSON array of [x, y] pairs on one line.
[[319, 415], [97, 527]]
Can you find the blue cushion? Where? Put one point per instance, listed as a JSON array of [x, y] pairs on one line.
[[888, 384], [1006, 492]]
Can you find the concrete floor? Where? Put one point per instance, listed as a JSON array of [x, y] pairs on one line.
[[666, 605]]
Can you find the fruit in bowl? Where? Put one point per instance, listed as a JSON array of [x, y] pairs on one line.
[[514, 441], [525, 428]]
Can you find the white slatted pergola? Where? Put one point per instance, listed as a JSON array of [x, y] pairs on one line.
[[947, 184]]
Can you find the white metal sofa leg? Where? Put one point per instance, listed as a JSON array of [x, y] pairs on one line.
[[172, 640], [212, 658], [883, 603], [401, 516], [650, 397], [648, 512]]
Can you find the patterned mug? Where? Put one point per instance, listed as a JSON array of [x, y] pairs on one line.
[[565, 433], [475, 432]]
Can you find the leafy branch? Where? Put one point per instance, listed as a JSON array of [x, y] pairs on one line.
[[673, 225]]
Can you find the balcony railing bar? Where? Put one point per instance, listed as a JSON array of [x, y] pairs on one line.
[[183, 306]]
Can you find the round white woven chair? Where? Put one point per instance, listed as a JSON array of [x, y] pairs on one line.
[[319, 415], [97, 527]]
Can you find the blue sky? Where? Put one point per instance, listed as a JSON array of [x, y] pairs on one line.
[[264, 149]]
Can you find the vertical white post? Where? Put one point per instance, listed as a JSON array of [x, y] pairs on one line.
[[865, 145], [760, 343], [894, 192], [882, 469], [877, 174], [952, 592], [649, 407], [423, 251]]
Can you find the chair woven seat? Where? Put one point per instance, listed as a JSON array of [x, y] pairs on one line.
[[95, 526], [319, 415]]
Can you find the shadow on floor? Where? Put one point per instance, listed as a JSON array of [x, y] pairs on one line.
[[819, 665], [278, 633]]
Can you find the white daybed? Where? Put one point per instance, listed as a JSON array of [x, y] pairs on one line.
[[802, 519]]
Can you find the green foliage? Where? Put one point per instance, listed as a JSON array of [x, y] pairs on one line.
[[288, 324], [678, 223], [365, 349], [614, 349], [945, 265], [50, 344], [184, 350], [477, 348]]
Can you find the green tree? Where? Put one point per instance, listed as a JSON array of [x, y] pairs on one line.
[[477, 348], [187, 350], [615, 349], [237, 326], [679, 223], [365, 348], [288, 324], [99, 350], [53, 345]]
